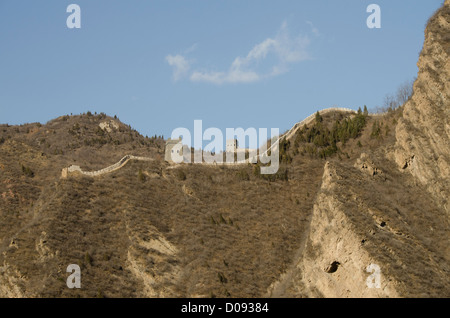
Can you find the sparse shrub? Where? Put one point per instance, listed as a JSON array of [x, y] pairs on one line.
[[58, 152], [222, 220], [180, 174], [257, 170], [376, 130], [95, 141], [243, 175], [319, 118], [100, 293], [281, 174], [100, 132], [284, 151], [27, 171], [141, 176], [87, 258], [222, 278]]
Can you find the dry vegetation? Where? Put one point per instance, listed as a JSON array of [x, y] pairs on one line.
[[234, 230], [150, 229]]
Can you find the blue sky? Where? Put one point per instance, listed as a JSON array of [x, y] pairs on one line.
[[159, 65]]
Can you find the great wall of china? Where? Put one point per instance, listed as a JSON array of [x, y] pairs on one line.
[[122, 162], [291, 132]]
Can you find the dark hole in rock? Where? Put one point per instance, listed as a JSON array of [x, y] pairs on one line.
[[363, 241], [383, 224], [333, 267]]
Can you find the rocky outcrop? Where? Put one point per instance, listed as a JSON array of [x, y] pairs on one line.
[[335, 262], [363, 227], [12, 282], [366, 165], [109, 126], [423, 134], [153, 248]]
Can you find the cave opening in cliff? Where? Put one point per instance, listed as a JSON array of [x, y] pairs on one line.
[[333, 267]]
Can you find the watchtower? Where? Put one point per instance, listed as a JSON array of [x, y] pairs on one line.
[[174, 147], [232, 145]]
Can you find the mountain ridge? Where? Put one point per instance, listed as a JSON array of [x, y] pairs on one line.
[[352, 191]]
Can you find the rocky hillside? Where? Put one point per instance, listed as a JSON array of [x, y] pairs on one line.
[[375, 211], [423, 134], [354, 192]]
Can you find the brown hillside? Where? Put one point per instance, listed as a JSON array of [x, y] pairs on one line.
[[352, 190], [423, 134]]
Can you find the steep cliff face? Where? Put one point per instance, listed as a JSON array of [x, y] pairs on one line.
[[378, 213], [423, 134], [336, 263], [406, 238], [364, 224]]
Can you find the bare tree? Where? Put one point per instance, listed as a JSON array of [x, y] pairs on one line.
[[390, 102], [404, 92]]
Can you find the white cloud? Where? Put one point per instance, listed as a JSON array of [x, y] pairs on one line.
[[191, 49], [233, 76], [282, 49], [314, 30], [180, 66]]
